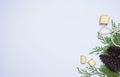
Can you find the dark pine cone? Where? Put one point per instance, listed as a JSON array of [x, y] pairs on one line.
[[114, 52], [112, 64]]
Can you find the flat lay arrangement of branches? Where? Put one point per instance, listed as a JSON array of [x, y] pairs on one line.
[[112, 40]]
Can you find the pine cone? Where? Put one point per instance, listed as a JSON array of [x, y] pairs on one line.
[[114, 52], [112, 64]]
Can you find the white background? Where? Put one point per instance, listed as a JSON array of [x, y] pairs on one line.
[[45, 38]]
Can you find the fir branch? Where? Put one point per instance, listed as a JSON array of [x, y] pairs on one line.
[[97, 50], [103, 71], [99, 36], [100, 50], [105, 40], [90, 71]]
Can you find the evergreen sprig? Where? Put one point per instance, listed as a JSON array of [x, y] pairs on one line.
[[100, 50], [97, 50], [106, 40], [90, 71], [103, 71]]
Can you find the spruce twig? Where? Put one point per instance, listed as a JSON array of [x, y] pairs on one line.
[[90, 71]]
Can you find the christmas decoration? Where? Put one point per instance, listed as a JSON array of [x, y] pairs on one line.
[[109, 52], [91, 62], [83, 59], [104, 20]]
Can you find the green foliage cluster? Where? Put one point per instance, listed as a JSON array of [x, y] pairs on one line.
[[103, 71], [107, 40], [108, 72], [102, 49], [116, 38], [91, 71]]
